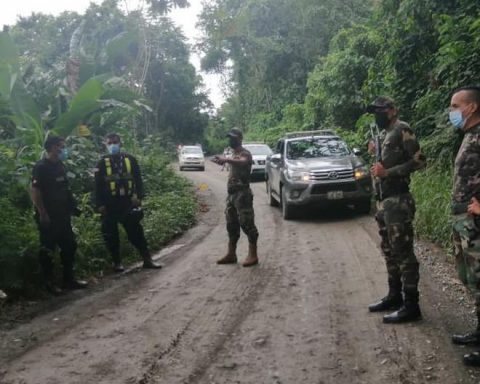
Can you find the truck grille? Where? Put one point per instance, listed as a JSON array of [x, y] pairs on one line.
[[320, 189], [339, 174]]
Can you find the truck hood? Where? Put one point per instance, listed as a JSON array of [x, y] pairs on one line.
[[325, 163]]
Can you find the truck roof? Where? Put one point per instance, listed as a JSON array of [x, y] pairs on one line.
[[317, 133]]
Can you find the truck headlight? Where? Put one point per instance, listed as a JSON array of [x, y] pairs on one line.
[[298, 175], [360, 173]]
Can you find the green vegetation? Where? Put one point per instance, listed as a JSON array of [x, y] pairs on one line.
[[304, 65], [82, 76]]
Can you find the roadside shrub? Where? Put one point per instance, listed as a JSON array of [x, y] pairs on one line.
[[168, 215], [432, 189]]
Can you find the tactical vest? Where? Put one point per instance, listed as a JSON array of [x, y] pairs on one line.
[[120, 182]]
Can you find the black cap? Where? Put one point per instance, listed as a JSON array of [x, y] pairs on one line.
[[381, 102], [235, 132]]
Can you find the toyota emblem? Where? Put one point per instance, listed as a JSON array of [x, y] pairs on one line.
[[333, 175]]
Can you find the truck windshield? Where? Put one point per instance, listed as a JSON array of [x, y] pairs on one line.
[[258, 150], [192, 150], [316, 147]]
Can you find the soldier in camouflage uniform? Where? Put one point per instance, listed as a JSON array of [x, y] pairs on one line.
[[400, 156], [239, 211], [465, 116]]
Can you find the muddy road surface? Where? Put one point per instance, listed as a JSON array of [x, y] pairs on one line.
[[300, 316]]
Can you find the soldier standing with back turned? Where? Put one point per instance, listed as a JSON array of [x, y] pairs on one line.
[[239, 211], [400, 156], [465, 117]]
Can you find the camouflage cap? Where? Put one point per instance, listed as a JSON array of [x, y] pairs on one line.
[[235, 132], [381, 102]]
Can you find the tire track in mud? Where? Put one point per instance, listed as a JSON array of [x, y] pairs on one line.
[[235, 297], [300, 317]]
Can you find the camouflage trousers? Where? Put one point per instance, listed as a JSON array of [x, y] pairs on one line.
[[239, 215], [395, 220], [466, 243]]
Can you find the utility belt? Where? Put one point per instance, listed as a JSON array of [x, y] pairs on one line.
[[231, 189], [465, 223], [401, 190]]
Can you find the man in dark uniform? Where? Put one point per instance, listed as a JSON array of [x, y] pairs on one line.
[[54, 206], [465, 117], [400, 157], [239, 211], [118, 194]]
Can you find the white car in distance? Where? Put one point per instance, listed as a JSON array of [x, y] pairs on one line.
[[259, 152], [191, 156]]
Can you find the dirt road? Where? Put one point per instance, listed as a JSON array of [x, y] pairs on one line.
[[299, 317]]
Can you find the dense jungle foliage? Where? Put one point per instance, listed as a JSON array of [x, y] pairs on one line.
[[300, 65], [81, 76], [291, 65]]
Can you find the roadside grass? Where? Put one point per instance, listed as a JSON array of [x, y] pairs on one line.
[[432, 190]]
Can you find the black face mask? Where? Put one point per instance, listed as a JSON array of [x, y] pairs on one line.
[[233, 142], [382, 120]]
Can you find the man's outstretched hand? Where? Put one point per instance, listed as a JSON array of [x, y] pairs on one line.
[[220, 160]]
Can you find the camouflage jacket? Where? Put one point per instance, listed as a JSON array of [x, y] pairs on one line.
[[466, 178], [239, 177], [401, 156]]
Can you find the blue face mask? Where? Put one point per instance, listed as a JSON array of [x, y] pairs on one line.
[[456, 118], [63, 154], [113, 149]]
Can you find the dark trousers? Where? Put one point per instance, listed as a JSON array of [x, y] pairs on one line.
[[58, 233], [132, 227]]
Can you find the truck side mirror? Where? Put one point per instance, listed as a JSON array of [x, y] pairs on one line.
[[276, 158], [356, 151]]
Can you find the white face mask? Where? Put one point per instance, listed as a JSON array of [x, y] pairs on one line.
[[457, 119], [113, 149]]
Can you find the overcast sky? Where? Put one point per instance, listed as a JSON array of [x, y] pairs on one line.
[[185, 18]]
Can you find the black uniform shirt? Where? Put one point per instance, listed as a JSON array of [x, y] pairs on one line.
[[51, 179]]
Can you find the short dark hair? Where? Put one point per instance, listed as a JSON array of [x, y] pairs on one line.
[[473, 92], [113, 135], [51, 141]]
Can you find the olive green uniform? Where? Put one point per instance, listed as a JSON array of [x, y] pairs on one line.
[[401, 155], [239, 211], [466, 239]]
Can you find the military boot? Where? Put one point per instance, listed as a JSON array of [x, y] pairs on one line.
[[392, 301], [118, 267], [148, 263], [410, 310], [231, 256], [472, 359], [69, 280], [470, 338], [252, 258]]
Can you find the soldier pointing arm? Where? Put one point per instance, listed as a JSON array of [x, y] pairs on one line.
[[239, 211]]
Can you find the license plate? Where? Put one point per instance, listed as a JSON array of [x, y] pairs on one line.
[[335, 195]]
